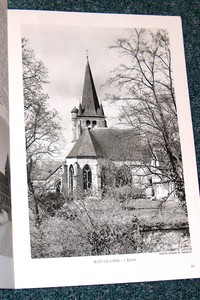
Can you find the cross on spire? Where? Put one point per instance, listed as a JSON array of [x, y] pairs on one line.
[[87, 54]]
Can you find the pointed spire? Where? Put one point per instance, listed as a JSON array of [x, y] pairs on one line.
[[90, 102], [7, 170], [7, 165]]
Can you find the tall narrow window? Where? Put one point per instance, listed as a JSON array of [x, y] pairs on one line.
[[58, 187], [71, 178], [152, 187], [103, 180], [88, 123], [87, 178], [94, 124]]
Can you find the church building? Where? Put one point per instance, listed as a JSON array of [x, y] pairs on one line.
[[102, 157]]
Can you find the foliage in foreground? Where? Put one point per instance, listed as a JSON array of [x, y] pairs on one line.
[[89, 227]]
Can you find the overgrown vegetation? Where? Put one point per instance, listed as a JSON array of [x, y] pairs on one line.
[[86, 227]]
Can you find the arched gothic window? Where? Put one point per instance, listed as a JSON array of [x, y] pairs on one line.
[[88, 123], [94, 124], [87, 178], [71, 178], [103, 180]]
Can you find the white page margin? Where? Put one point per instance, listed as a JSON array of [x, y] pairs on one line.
[[82, 270]]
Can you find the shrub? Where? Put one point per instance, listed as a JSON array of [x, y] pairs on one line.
[[92, 226], [86, 227], [52, 202], [125, 192], [116, 239]]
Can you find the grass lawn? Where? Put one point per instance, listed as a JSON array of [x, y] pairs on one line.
[[150, 213]]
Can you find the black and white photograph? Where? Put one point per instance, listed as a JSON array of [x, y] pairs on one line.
[[103, 154], [5, 195]]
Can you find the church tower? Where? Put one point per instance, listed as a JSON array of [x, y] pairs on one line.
[[90, 113]]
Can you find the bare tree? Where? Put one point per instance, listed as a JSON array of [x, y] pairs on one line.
[[42, 128], [147, 97]]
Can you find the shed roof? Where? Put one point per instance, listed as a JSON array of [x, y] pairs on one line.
[[46, 168]]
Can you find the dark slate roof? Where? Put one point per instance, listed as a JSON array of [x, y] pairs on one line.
[[3, 179], [112, 143], [46, 168], [118, 144], [90, 103], [74, 110], [86, 146], [4, 186]]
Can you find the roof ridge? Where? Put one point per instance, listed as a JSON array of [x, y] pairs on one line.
[[84, 146]]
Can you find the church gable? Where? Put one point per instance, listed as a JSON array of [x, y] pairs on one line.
[[87, 146]]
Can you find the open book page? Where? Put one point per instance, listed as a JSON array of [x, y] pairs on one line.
[[6, 262], [104, 181]]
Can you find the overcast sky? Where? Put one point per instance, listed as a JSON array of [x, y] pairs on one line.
[[63, 51]]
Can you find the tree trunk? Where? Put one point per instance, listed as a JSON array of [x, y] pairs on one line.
[[31, 190]]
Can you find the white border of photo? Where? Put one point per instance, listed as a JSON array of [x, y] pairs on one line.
[[104, 269]]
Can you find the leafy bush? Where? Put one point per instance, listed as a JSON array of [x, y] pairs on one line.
[[91, 226], [116, 239], [52, 202], [57, 237], [86, 227], [125, 192]]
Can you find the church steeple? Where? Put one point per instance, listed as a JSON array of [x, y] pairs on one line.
[[7, 170], [90, 113], [90, 102]]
